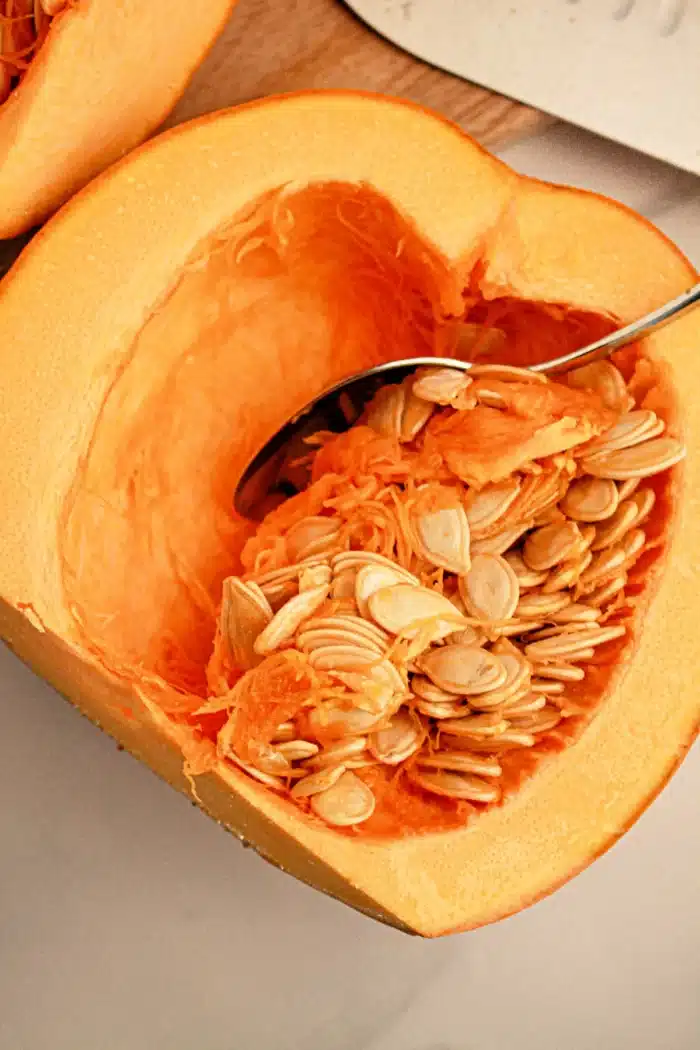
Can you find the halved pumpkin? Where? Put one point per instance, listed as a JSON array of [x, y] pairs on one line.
[[83, 83], [147, 355]]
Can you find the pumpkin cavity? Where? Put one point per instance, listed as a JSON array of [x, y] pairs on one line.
[[457, 537]]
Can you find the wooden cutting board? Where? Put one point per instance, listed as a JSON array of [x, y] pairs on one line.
[[273, 46]]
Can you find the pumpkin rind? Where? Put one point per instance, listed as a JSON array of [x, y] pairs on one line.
[[142, 222], [107, 75]]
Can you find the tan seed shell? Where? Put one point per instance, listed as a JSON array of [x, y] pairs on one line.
[[507, 741], [560, 672], [524, 705], [527, 577], [631, 429], [285, 623], [315, 782], [440, 386], [404, 608], [551, 545], [501, 542], [538, 605], [640, 461], [298, 750], [538, 721], [508, 373], [606, 591], [464, 670], [315, 576], [286, 731], [452, 709], [490, 589], [341, 752], [479, 726], [611, 531], [311, 536], [576, 613], [547, 686], [644, 501], [348, 802], [274, 782], [345, 720], [343, 585], [320, 638], [386, 410], [442, 538], [456, 785], [373, 578], [567, 574], [591, 499], [486, 506], [608, 561], [287, 572], [242, 619], [567, 645], [461, 762], [606, 380], [397, 741], [357, 559], [416, 414], [627, 488], [423, 688]]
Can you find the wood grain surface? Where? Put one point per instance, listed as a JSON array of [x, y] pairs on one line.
[[274, 46]]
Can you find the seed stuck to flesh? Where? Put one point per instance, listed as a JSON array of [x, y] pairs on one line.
[[464, 670]]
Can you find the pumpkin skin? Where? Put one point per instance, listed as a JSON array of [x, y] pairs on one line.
[[106, 76], [99, 378]]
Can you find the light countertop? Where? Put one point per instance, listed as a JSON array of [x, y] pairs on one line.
[[129, 921]]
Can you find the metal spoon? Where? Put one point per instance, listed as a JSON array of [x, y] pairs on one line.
[[326, 411]]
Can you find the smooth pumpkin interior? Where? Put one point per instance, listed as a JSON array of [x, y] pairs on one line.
[[302, 288]]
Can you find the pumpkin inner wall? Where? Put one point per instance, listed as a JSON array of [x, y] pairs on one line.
[[306, 287]]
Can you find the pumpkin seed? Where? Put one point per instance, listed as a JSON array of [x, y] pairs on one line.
[[397, 741], [630, 430], [297, 750], [549, 546], [538, 605], [524, 705], [416, 413], [287, 620], [451, 709], [372, 578], [499, 543], [461, 762], [566, 645], [463, 669], [242, 618], [442, 538], [440, 386], [490, 504], [605, 380], [456, 785], [348, 802], [591, 499], [339, 753], [527, 577], [538, 721], [386, 410], [490, 589], [423, 688], [508, 373], [331, 717], [402, 608], [639, 461], [315, 782], [311, 536]]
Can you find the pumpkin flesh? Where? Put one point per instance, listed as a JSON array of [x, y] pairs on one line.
[[299, 288]]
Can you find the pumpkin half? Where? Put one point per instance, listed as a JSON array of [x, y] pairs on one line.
[[81, 83], [228, 271]]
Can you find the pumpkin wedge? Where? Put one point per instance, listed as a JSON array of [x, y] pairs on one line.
[[226, 272], [83, 83]]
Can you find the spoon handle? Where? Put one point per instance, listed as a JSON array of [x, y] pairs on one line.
[[620, 337]]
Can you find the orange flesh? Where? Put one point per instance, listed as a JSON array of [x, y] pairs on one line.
[[319, 282]]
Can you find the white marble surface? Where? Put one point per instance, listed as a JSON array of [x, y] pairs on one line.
[[128, 921]]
